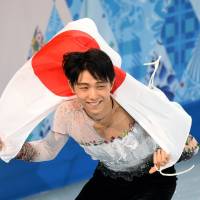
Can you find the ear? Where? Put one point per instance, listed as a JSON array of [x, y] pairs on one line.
[[112, 84]]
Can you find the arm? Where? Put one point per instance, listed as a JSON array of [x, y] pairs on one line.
[[50, 146], [160, 158], [43, 150], [191, 149]]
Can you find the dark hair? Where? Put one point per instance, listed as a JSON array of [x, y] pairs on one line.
[[95, 61]]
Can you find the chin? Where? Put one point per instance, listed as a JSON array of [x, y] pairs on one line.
[[94, 111]]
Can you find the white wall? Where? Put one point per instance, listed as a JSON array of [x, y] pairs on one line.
[[18, 20]]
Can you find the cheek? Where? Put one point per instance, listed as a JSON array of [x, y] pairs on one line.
[[106, 94], [81, 96]]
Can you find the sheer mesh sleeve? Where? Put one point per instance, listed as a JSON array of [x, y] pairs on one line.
[[61, 120], [43, 150], [48, 147], [188, 153]]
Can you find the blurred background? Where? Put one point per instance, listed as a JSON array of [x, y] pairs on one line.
[[140, 30]]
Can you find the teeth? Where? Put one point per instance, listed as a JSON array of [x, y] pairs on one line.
[[93, 103]]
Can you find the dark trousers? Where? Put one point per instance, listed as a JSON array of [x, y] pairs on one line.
[[148, 187]]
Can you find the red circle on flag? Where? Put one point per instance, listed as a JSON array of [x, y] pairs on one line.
[[47, 62]]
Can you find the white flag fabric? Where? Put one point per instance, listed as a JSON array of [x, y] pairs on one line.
[[40, 86]]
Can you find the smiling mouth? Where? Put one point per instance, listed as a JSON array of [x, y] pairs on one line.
[[94, 103]]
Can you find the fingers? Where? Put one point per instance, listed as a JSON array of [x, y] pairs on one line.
[[160, 158], [191, 144], [152, 170], [155, 158], [1, 144], [164, 158]]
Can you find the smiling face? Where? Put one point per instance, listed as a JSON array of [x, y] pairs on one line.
[[93, 94]]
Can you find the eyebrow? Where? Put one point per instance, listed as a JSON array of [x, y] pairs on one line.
[[82, 84], [98, 82], [101, 82]]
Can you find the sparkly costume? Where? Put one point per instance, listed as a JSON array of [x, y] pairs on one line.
[[131, 152]]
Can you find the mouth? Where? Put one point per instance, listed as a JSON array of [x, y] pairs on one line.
[[93, 103]]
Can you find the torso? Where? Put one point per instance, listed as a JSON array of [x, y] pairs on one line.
[[119, 122], [84, 129], [120, 144]]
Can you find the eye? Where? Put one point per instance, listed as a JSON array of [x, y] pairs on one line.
[[101, 86], [83, 88]]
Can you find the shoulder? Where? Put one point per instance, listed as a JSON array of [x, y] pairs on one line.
[[64, 115], [68, 107]]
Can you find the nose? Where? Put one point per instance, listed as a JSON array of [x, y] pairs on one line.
[[92, 94]]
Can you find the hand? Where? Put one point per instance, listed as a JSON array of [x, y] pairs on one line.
[[1, 144], [191, 144], [26, 153], [160, 158]]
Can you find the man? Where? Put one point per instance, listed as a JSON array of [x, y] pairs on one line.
[[129, 156]]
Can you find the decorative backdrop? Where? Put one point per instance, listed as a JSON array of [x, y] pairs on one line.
[[140, 31]]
